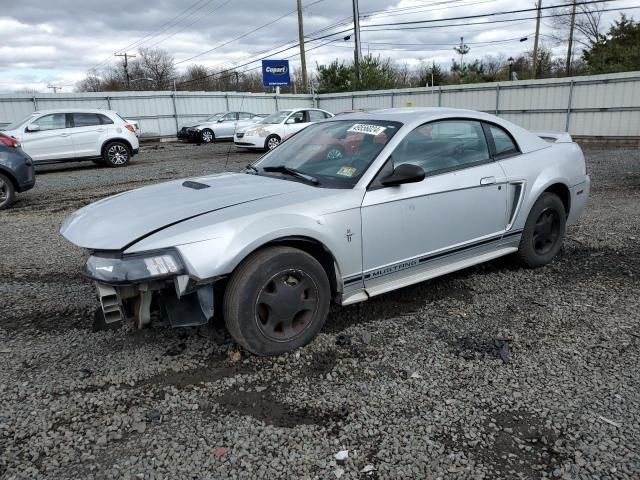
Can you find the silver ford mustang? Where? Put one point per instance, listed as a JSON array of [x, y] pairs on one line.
[[348, 208]]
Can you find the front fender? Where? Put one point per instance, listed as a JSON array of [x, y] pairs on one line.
[[220, 256]]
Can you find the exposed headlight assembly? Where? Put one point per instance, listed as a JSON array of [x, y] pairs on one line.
[[133, 268]]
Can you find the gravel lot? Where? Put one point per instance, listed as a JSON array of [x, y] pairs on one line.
[[410, 383]]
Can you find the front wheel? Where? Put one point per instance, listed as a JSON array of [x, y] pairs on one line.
[[116, 154], [276, 301], [207, 136], [7, 192], [544, 231], [272, 142]]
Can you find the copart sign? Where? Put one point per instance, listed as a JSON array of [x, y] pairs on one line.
[[275, 73]]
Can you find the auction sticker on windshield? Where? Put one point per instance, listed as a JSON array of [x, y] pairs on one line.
[[368, 129], [347, 171]]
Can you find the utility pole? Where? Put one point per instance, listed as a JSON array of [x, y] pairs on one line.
[[126, 66], [54, 88], [357, 53], [570, 50], [535, 42], [303, 58]]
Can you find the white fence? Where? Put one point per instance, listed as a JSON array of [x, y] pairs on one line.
[[599, 105], [158, 113]]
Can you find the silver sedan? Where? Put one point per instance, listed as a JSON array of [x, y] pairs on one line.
[[221, 126], [348, 208]]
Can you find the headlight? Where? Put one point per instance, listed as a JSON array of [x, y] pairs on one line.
[[250, 133], [133, 268]]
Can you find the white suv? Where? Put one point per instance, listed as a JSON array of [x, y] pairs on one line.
[[76, 134]]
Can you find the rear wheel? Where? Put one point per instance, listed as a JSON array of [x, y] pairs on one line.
[[276, 301], [7, 192], [544, 231], [207, 136], [116, 154], [272, 142]]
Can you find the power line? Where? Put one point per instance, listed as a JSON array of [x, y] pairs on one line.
[[481, 15], [493, 21], [433, 26], [245, 34], [169, 24], [127, 47], [218, 7]]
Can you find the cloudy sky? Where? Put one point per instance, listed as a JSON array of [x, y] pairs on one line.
[[42, 45]]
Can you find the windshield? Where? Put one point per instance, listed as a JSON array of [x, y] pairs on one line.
[[214, 118], [14, 125], [277, 117], [336, 153]]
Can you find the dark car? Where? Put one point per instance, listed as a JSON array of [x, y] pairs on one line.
[[16, 171]]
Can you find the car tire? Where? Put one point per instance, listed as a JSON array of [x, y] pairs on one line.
[[7, 192], [277, 300], [116, 154], [272, 141], [207, 136], [544, 231]]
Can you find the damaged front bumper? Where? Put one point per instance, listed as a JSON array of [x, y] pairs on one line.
[[189, 134], [134, 287]]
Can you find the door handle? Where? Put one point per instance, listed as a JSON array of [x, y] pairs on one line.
[[64, 135], [487, 180]]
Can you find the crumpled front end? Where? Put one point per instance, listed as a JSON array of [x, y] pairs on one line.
[[140, 287], [190, 134]]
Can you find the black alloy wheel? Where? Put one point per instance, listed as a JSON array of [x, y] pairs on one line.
[[286, 305], [546, 231]]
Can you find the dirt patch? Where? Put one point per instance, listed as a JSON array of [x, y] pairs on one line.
[[78, 318], [216, 368], [516, 445], [321, 364], [268, 408]]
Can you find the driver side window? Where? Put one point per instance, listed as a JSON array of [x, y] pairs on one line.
[[229, 117], [298, 117], [443, 146], [52, 121]]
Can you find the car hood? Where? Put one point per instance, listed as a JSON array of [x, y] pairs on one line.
[[117, 222]]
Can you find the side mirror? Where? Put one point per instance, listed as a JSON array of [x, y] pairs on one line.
[[405, 173], [33, 128], [220, 120], [290, 121]]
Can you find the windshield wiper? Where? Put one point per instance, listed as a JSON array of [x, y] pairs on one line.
[[293, 172], [251, 169]]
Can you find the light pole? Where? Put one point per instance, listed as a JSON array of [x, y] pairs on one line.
[[510, 60]]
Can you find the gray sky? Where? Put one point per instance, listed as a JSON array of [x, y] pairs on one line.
[[57, 42]]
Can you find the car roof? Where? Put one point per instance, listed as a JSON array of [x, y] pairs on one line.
[[413, 117], [409, 115], [74, 110]]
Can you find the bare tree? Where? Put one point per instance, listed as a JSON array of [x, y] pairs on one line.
[[157, 64], [588, 24]]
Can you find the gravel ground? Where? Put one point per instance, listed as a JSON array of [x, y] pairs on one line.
[[413, 383]]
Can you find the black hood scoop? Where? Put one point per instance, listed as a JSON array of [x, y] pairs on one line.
[[195, 185]]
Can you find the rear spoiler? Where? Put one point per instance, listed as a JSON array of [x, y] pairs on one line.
[[554, 137]]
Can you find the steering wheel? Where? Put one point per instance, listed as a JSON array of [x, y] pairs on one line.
[[459, 150]]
